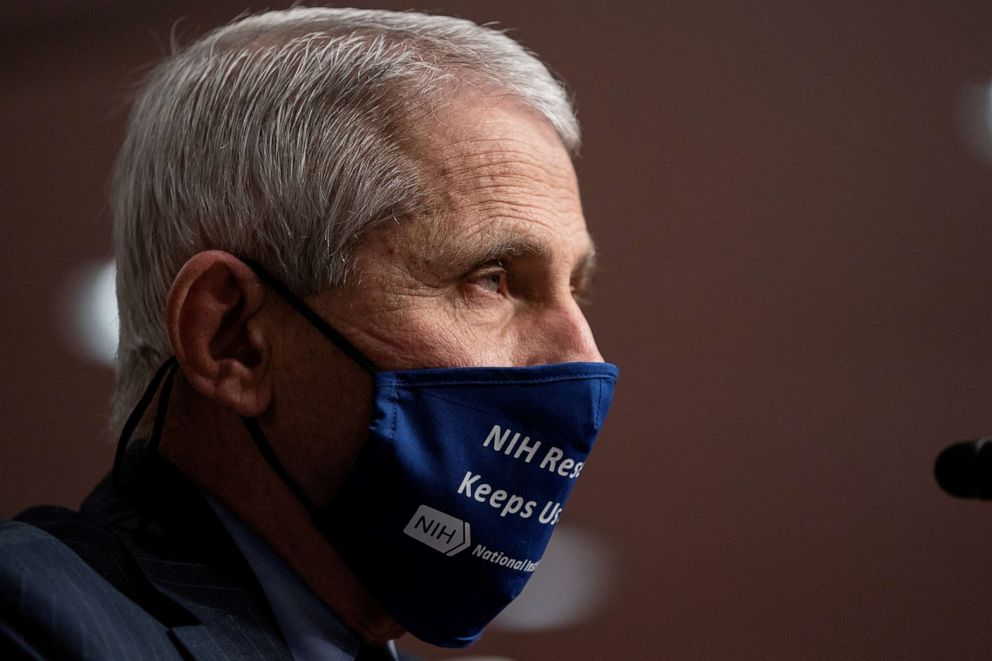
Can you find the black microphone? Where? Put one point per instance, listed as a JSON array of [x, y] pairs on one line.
[[965, 469]]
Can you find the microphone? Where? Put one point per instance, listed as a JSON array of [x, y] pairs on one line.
[[964, 469]]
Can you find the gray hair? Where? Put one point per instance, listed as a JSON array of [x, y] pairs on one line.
[[279, 138]]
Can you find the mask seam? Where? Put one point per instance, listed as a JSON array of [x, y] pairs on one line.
[[599, 401], [394, 399], [460, 404]]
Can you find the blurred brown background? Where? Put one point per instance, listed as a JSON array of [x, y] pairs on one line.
[[793, 205]]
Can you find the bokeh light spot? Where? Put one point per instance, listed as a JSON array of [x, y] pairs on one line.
[[570, 585], [974, 120], [86, 314]]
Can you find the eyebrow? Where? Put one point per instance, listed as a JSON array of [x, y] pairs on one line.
[[509, 248], [505, 249]]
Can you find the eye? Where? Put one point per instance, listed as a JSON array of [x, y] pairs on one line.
[[487, 281], [492, 280]]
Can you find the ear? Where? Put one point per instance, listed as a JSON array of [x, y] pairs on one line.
[[214, 330]]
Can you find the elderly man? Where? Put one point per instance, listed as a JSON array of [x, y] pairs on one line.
[[357, 382]]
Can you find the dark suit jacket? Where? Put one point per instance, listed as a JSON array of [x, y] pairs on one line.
[[147, 573]]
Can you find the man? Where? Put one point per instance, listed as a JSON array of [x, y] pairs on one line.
[[349, 248]]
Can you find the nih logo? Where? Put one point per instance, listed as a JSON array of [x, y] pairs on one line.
[[442, 532]]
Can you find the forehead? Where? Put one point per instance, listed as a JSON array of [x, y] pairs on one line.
[[497, 174]]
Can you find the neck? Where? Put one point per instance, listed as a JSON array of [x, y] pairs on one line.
[[212, 447]]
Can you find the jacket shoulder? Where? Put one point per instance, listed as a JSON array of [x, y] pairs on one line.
[[54, 605]]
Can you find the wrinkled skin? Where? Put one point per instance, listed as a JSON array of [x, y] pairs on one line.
[[489, 276]]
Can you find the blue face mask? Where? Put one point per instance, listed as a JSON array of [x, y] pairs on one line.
[[455, 493]]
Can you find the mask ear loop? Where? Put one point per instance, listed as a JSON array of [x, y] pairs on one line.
[[272, 460], [315, 319], [160, 411], [328, 331], [168, 368]]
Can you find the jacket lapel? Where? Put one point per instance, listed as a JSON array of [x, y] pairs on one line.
[[185, 553], [227, 637]]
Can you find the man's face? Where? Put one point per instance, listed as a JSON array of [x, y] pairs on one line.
[[490, 276]]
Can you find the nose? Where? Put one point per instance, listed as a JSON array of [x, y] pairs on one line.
[[566, 336]]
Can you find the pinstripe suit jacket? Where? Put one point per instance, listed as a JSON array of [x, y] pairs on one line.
[[145, 574]]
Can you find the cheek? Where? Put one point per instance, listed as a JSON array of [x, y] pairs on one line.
[[452, 341], [319, 414], [452, 344], [490, 340]]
